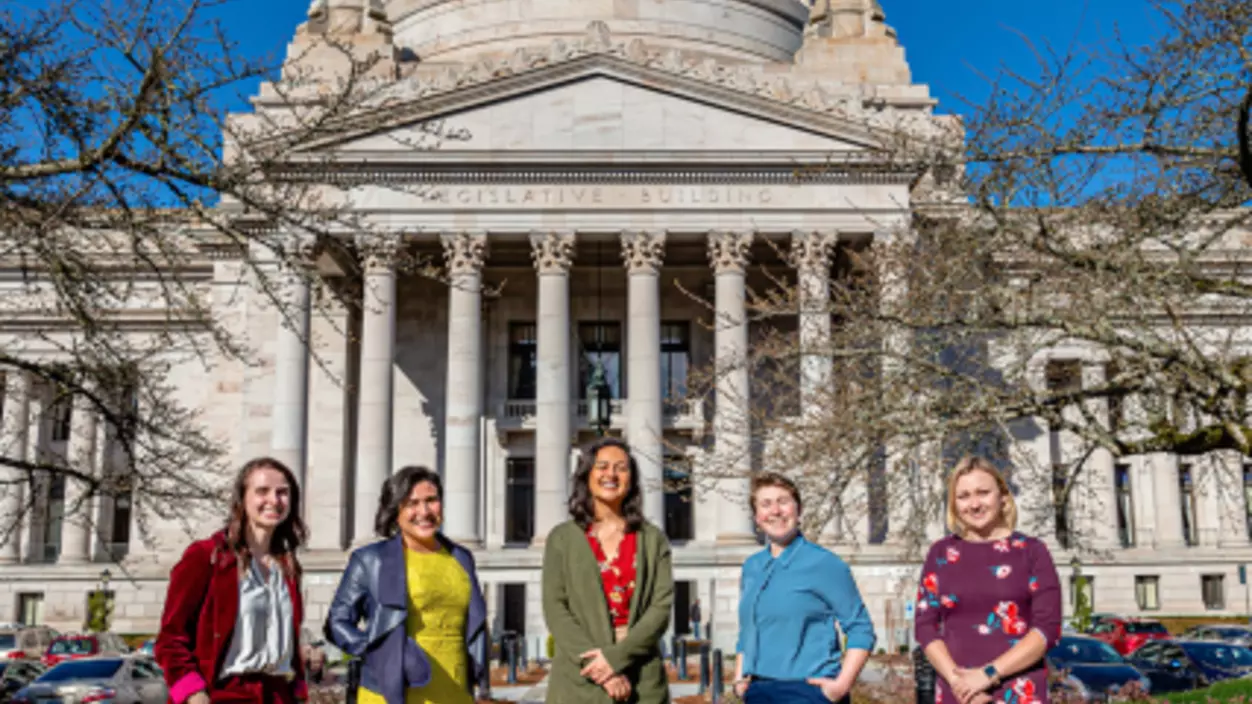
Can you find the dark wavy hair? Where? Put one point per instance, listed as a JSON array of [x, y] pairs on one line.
[[396, 491], [582, 505], [289, 536]]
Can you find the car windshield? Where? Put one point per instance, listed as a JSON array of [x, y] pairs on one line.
[[1231, 633], [1220, 655], [8, 641], [82, 670], [72, 646], [1142, 627], [1082, 650]]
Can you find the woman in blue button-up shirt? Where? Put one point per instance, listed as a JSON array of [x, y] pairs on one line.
[[793, 594]]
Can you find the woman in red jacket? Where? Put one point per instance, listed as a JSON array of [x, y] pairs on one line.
[[231, 626]]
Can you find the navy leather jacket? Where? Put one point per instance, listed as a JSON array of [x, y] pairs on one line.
[[373, 589]]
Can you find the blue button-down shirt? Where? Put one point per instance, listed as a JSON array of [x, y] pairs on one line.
[[788, 610]]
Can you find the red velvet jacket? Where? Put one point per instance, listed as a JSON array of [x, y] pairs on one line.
[[199, 620]]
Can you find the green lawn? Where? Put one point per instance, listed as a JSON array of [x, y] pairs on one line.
[[1235, 691]]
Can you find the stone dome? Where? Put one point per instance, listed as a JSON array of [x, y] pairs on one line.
[[456, 30]]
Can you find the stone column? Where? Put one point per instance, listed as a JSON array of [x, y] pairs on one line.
[[16, 430], [1097, 509], [900, 463], [80, 455], [1233, 524], [1032, 466], [374, 400], [463, 401], [810, 254], [643, 253], [1167, 500], [289, 434], [728, 255], [553, 254]]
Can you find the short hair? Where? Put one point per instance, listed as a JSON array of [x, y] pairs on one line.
[[768, 479], [582, 505], [968, 465], [396, 491]]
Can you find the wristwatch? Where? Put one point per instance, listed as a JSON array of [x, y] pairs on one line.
[[992, 674]]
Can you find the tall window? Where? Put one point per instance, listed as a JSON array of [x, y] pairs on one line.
[[1125, 505], [519, 501], [30, 608], [1060, 503], [1186, 491], [56, 518], [679, 509], [514, 602], [1213, 587], [62, 410], [1148, 592], [523, 360], [675, 359], [600, 342]]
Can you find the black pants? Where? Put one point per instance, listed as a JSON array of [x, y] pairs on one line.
[[787, 692]]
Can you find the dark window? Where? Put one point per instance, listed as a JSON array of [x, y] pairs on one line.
[[514, 598], [675, 360], [1125, 505], [62, 411], [119, 534], [519, 501], [600, 342], [102, 669], [1214, 588], [56, 518], [30, 608], [1186, 491], [1064, 376], [679, 509], [1247, 497], [523, 360], [1148, 592], [1060, 503], [1138, 627]]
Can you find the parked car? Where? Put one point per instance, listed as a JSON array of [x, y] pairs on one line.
[[15, 674], [19, 641], [1092, 669], [1177, 665], [119, 680], [148, 649], [1226, 633], [82, 645], [1128, 635]]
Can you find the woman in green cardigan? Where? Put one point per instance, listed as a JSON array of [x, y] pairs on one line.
[[608, 587]]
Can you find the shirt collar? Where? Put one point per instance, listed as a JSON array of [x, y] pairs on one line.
[[789, 553]]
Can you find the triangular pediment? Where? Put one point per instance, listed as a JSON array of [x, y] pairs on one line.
[[595, 104]]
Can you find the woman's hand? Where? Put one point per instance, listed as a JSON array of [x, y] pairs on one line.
[[741, 685], [618, 687], [832, 688], [967, 684], [598, 670], [200, 697]]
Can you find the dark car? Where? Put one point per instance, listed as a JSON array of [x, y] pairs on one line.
[[15, 674], [1179, 665], [1091, 668], [1235, 635]]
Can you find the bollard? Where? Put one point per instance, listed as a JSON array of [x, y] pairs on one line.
[[525, 653], [682, 660], [718, 685], [704, 668], [923, 678], [512, 656]]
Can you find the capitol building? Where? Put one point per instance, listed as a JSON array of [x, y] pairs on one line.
[[610, 158]]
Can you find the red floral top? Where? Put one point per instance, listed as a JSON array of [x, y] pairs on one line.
[[618, 576]]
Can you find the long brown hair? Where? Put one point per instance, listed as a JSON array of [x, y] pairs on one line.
[[289, 536]]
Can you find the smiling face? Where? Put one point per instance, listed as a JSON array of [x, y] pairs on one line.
[[979, 502], [609, 479], [266, 498], [421, 515], [777, 514]]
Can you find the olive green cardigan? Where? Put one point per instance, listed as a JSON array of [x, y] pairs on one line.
[[578, 617]]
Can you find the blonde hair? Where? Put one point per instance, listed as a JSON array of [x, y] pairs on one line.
[[968, 465]]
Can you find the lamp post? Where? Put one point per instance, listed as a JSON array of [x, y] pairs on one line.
[[599, 400]]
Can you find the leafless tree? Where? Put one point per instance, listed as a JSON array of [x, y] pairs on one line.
[[1075, 277]]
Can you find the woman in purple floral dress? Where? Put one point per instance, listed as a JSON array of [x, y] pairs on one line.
[[989, 604]]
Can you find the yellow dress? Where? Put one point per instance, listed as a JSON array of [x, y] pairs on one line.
[[439, 594]]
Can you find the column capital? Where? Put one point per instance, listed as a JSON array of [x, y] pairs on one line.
[[643, 250], [380, 250], [553, 252], [299, 250], [811, 249], [728, 250], [465, 252]]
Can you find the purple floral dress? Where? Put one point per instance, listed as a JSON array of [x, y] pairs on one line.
[[980, 599]]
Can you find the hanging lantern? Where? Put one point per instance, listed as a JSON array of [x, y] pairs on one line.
[[599, 400]]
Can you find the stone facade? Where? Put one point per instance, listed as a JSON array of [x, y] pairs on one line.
[[610, 160]]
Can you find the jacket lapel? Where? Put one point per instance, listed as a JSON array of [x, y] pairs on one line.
[[225, 590], [393, 585], [641, 565]]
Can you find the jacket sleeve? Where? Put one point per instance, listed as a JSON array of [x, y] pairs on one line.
[[568, 633], [642, 638], [348, 608], [176, 640], [481, 646]]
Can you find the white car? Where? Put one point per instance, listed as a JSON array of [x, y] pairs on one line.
[[118, 680]]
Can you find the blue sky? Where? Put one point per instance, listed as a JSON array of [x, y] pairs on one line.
[[947, 42]]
